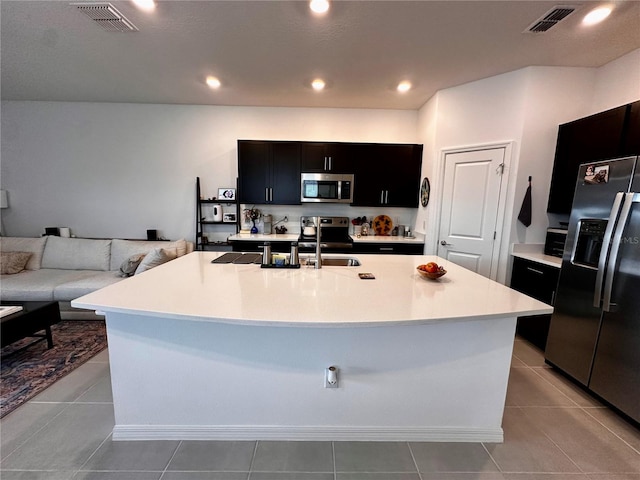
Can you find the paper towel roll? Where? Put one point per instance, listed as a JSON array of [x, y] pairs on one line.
[[65, 232], [217, 213]]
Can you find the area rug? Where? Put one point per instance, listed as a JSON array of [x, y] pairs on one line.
[[28, 372]]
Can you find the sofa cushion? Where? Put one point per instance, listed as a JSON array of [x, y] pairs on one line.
[[13, 262], [66, 291], [38, 285], [155, 258], [76, 254], [25, 244], [121, 250]]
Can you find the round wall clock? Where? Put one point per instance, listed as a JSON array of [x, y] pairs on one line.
[[425, 190]]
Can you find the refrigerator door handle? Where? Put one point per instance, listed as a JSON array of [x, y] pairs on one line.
[[617, 238], [606, 246]]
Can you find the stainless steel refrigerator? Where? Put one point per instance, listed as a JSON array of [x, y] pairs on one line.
[[594, 334]]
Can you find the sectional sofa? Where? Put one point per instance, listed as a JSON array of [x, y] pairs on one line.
[[61, 269]]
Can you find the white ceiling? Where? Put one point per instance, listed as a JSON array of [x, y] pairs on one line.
[[267, 52]]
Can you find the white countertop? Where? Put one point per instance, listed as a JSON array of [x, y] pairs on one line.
[[261, 237], [288, 237], [535, 253], [192, 288], [419, 239]]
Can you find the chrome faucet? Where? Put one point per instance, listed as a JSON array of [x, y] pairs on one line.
[[318, 247]]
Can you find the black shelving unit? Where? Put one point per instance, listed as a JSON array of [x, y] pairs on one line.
[[200, 222]]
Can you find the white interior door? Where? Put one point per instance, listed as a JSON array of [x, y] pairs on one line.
[[470, 209]]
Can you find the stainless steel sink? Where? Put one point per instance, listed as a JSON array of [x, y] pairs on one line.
[[333, 261]]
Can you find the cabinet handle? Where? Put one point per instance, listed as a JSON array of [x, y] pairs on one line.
[[553, 298], [271, 194], [381, 197], [386, 249], [266, 194], [330, 163], [535, 271], [386, 197], [325, 163]]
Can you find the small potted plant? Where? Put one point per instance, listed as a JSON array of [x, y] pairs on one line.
[[252, 214]]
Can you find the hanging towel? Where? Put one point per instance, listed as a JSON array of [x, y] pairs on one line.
[[525, 211]]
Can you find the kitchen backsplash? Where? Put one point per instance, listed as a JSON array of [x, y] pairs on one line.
[[399, 216]]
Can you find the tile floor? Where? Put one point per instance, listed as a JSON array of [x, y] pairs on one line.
[[553, 431]]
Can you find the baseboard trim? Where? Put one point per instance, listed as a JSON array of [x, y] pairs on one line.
[[316, 433]]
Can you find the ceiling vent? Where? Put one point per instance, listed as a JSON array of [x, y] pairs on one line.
[[549, 19], [106, 15]]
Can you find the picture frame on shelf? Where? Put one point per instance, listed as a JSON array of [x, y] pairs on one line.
[[226, 194]]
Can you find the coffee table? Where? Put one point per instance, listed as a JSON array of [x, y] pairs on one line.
[[33, 318]]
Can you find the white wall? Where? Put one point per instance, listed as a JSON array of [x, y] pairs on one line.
[[525, 107], [617, 83], [485, 112], [116, 170], [552, 96], [119, 169]]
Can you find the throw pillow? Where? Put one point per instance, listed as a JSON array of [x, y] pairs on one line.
[[14, 262], [130, 265], [155, 257]]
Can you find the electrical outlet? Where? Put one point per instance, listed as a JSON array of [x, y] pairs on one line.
[[331, 377], [286, 219]]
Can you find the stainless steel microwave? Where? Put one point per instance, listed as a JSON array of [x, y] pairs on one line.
[[326, 187]]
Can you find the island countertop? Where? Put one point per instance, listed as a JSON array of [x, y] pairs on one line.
[[192, 288]]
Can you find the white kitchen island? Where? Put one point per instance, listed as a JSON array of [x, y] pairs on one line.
[[226, 351]]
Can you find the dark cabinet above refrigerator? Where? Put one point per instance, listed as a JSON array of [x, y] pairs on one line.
[[609, 134]]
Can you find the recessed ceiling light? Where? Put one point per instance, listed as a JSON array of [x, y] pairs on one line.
[[596, 15], [147, 5], [404, 87], [318, 84], [319, 6], [213, 82]]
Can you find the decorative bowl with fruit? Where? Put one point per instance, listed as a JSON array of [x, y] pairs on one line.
[[431, 270]]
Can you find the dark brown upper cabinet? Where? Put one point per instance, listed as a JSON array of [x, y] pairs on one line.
[[631, 141], [269, 172], [597, 137], [323, 157], [387, 175]]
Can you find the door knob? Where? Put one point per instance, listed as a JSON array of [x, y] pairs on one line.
[[445, 244]]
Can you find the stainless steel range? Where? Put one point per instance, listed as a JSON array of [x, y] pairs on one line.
[[334, 234]]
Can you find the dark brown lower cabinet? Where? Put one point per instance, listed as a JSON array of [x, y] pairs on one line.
[[389, 248], [538, 281]]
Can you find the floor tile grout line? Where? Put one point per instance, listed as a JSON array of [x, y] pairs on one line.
[[333, 454], [586, 411], [415, 463], [576, 405], [489, 453], [170, 459], [253, 457], [556, 388], [2, 460], [558, 446], [92, 454], [73, 402]]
